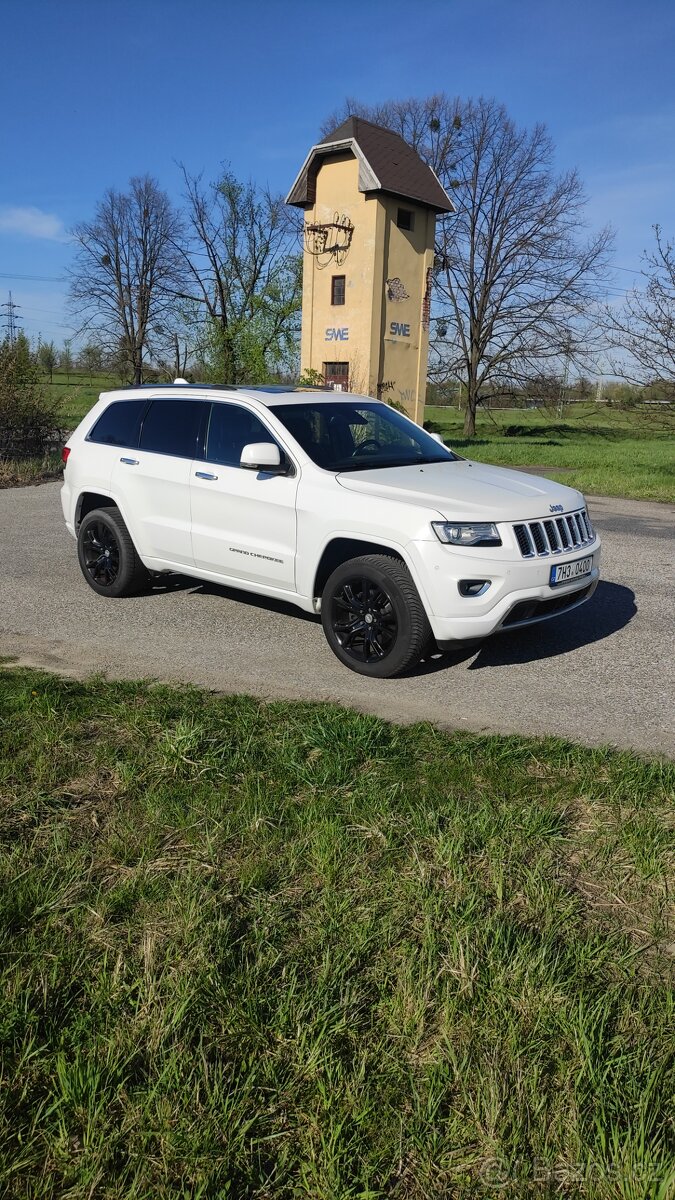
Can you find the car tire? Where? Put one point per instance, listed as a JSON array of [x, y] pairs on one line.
[[373, 618], [107, 555]]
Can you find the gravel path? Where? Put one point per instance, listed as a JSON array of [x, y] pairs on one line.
[[602, 674]]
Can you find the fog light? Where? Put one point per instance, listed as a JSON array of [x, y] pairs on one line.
[[473, 587]]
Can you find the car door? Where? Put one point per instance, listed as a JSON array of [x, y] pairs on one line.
[[243, 521], [153, 482], [115, 433]]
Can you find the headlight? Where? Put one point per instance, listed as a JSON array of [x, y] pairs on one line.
[[474, 533]]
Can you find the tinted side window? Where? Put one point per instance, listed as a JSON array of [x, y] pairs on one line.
[[230, 429], [119, 424], [172, 426]]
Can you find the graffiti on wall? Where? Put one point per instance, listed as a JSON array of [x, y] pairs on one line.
[[396, 290]]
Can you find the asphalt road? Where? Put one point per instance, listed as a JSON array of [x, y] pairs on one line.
[[603, 674]]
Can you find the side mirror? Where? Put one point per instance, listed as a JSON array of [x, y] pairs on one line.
[[260, 456], [437, 438]]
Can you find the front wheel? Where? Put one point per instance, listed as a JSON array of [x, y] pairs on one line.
[[373, 618], [108, 556]]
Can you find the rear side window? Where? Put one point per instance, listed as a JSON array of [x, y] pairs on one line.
[[119, 425], [172, 427]]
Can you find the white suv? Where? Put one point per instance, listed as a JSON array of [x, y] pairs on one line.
[[335, 502]]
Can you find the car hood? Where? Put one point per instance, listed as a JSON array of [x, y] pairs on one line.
[[461, 488]]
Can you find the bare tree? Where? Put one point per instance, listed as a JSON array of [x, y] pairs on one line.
[[66, 358], [180, 344], [90, 359], [430, 125], [643, 329], [516, 286], [245, 274], [126, 268]]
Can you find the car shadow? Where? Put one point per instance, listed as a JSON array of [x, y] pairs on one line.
[[610, 609], [445, 659], [165, 584]]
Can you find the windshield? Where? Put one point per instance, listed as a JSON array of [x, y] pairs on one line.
[[359, 437]]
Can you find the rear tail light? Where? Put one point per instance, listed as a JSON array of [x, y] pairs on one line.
[[64, 454]]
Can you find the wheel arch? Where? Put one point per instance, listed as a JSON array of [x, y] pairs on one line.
[[87, 501], [340, 549]]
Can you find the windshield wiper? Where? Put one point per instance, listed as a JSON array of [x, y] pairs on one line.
[[376, 465]]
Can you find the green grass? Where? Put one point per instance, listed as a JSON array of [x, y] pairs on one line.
[[280, 951], [78, 393], [25, 471], [602, 450]]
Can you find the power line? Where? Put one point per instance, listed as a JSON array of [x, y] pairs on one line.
[[54, 312], [30, 319], [57, 330], [36, 278]]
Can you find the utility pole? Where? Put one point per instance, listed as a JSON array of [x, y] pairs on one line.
[[11, 318]]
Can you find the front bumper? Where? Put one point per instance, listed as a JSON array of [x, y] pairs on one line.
[[519, 591]]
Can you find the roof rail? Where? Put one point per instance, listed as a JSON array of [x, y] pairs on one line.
[[229, 387]]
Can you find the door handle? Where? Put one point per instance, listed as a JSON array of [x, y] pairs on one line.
[[205, 475], [131, 462]]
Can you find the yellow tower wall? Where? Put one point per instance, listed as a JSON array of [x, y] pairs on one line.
[[379, 330], [404, 333]]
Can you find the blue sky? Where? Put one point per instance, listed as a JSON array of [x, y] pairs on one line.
[[94, 91]]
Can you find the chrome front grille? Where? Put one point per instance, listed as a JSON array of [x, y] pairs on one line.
[[554, 535]]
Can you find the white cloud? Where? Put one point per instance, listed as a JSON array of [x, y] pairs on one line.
[[32, 222]]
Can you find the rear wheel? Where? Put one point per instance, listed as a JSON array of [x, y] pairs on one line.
[[373, 618], [108, 556]]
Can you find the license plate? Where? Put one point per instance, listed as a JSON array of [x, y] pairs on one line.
[[569, 571]]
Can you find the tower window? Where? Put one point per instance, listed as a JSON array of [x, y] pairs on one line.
[[405, 219], [337, 289]]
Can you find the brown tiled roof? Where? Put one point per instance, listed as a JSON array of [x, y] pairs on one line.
[[391, 165]]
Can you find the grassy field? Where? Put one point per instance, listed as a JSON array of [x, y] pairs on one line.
[[281, 951], [600, 449], [597, 449], [26, 471], [77, 393]]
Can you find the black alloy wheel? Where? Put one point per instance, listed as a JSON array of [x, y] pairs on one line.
[[107, 555], [363, 619], [373, 618], [101, 554]]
